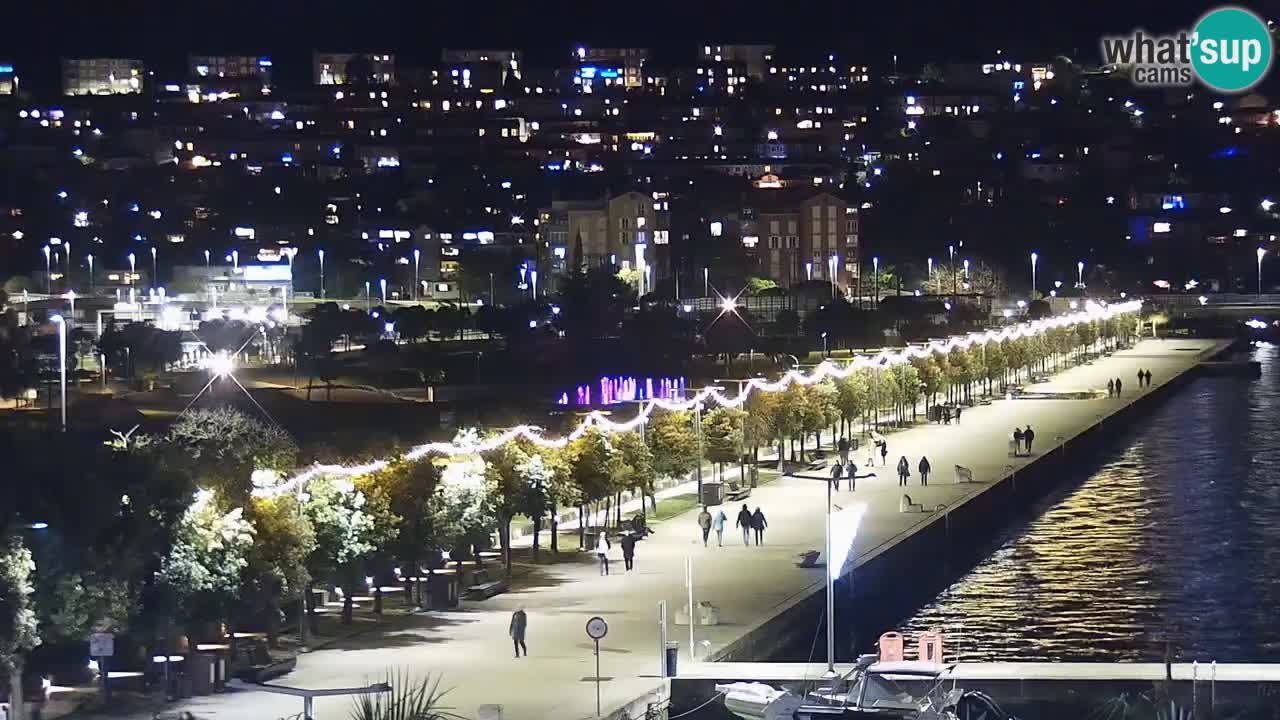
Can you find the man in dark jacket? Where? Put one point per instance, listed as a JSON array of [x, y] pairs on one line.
[[519, 621], [758, 523], [924, 469], [744, 522], [843, 447], [1029, 435], [629, 550]]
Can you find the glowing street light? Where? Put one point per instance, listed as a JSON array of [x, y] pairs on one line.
[[966, 271], [728, 304], [1261, 252], [62, 364], [875, 264], [155, 271], [89, 257], [48, 273], [417, 256], [1034, 258], [321, 253], [929, 276], [220, 364], [706, 282], [235, 260], [808, 271], [382, 284], [952, 249], [368, 297], [206, 259]]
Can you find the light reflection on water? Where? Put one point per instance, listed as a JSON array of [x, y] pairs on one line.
[[1176, 536]]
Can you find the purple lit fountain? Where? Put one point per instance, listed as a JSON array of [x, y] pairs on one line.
[[621, 389]]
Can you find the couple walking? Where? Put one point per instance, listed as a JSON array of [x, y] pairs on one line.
[[1114, 386], [706, 522], [904, 470], [603, 546], [1022, 440], [1144, 378]]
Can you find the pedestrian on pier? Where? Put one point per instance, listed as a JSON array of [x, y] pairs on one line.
[[843, 447], [1018, 441], [1118, 387], [758, 523], [602, 551], [519, 621], [884, 452], [836, 471], [851, 472], [744, 522], [1028, 435], [629, 551], [704, 522], [718, 524], [946, 414], [904, 471], [1141, 377], [924, 469], [1111, 388], [958, 409], [1148, 379]]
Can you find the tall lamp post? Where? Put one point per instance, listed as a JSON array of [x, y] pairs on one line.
[[62, 365], [90, 259], [875, 265], [417, 256], [1034, 258], [321, 253], [206, 259], [706, 282], [155, 268], [48, 272], [928, 280], [133, 270], [1080, 274], [66, 247], [1261, 252], [382, 285], [952, 249]]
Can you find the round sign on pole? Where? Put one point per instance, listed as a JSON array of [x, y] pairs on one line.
[[597, 628]]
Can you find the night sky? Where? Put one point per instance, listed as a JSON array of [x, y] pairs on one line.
[[34, 34]]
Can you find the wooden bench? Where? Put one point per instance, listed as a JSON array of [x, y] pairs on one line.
[[484, 591], [737, 491]]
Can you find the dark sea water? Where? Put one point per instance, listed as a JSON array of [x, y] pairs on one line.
[[1174, 536]]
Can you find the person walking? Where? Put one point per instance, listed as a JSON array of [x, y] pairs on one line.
[[884, 452], [602, 551], [946, 415], [1018, 441], [1118, 387], [744, 522], [904, 471], [519, 621], [924, 469], [1029, 435], [836, 471], [629, 551], [1140, 378], [758, 523], [843, 447], [851, 472], [704, 522], [718, 524], [1111, 388], [958, 409]]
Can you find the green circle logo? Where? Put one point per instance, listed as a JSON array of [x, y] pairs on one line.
[[1231, 49]]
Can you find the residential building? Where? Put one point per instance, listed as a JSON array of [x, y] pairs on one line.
[[754, 58], [629, 62], [234, 67], [8, 79], [102, 76], [336, 68]]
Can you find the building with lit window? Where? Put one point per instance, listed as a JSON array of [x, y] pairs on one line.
[[336, 68], [627, 62], [800, 235], [754, 58], [102, 76], [8, 79], [234, 67], [510, 63]]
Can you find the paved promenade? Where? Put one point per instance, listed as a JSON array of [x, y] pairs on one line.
[[749, 584]]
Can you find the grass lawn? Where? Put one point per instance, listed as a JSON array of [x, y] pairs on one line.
[[675, 505]]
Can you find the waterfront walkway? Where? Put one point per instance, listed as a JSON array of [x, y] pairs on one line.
[[470, 649]]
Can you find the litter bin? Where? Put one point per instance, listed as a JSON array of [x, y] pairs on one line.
[[442, 591], [712, 493], [672, 658]]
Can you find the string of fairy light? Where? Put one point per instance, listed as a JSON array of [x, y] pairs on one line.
[[470, 443]]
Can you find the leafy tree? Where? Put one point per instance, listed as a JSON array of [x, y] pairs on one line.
[[224, 447], [930, 375], [674, 442], [851, 396], [633, 467], [758, 424], [202, 573], [757, 285], [277, 561], [820, 410], [349, 528], [590, 469], [18, 628], [907, 380], [722, 429], [407, 488], [462, 510]]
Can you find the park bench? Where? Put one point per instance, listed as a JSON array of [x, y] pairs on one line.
[[486, 590], [737, 491], [808, 559]]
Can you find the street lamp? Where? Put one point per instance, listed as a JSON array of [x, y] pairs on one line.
[[206, 259], [875, 264], [155, 271], [67, 249], [952, 249], [706, 282], [321, 253], [833, 265], [1080, 274], [368, 297], [90, 259], [382, 284], [1261, 252], [48, 273], [235, 260], [824, 343], [1034, 258], [417, 256], [808, 271], [929, 277], [62, 366], [966, 271], [133, 270]]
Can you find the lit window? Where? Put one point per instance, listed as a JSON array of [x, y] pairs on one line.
[[1161, 227]]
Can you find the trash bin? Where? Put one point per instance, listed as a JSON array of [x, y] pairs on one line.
[[201, 669], [712, 493], [672, 658], [442, 591]]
